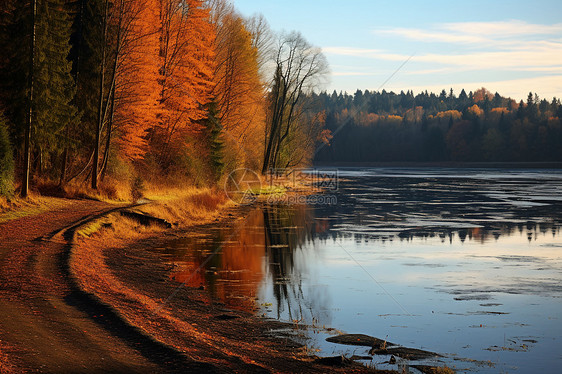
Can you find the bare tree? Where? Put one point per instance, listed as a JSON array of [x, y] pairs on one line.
[[299, 69], [262, 40]]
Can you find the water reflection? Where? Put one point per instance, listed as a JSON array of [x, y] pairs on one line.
[[482, 235], [269, 253], [475, 258], [266, 248]]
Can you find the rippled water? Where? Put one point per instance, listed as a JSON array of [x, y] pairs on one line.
[[463, 262]]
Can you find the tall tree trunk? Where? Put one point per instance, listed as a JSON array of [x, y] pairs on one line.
[[27, 143], [109, 130], [63, 166], [100, 102]]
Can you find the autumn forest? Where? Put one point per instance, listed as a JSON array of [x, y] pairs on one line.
[[106, 93], [103, 93]]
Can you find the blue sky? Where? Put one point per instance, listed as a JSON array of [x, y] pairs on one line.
[[511, 47]]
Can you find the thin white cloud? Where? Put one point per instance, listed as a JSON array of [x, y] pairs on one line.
[[527, 57], [352, 74], [501, 33], [434, 36], [365, 53], [503, 29], [468, 47], [430, 71], [518, 59], [349, 51]]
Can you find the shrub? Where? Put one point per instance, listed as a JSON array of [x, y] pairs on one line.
[[6, 161]]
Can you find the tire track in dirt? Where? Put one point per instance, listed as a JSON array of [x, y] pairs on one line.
[[108, 318], [51, 324]]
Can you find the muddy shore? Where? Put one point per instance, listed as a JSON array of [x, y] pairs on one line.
[[203, 333]]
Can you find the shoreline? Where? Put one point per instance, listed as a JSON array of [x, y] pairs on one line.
[[136, 283]]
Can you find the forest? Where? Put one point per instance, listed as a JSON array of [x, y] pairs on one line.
[[474, 127], [110, 95]]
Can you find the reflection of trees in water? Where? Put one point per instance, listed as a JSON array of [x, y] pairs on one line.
[[286, 230], [233, 263], [283, 236], [453, 208], [480, 234]]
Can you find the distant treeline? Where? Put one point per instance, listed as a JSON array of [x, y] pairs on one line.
[[474, 127]]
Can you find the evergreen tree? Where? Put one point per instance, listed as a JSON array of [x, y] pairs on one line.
[[216, 144], [85, 54], [54, 87], [41, 27], [532, 109], [462, 101], [16, 29]]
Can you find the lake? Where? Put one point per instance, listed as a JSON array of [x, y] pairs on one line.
[[466, 263]]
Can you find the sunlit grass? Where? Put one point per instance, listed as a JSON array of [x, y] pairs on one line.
[[186, 206], [18, 208], [111, 190], [94, 226], [268, 190]]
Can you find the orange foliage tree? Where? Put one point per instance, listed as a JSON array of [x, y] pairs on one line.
[[136, 87], [481, 94], [238, 92], [186, 74]]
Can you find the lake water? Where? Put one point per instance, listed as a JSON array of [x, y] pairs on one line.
[[463, 262]]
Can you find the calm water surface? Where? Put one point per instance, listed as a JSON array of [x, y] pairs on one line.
[[463, 262]]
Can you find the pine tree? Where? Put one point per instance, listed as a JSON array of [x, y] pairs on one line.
[[37, 84], [216, 144], [14, 78], [85, 54], [53, 106]]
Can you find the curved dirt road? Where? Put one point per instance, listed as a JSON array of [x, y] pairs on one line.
[[42, 326]]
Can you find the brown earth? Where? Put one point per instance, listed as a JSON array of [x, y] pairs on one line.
[[71, 305]]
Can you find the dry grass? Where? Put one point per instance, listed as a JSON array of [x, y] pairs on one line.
[[189, 206], [16, 203], [110, 190], [186, 206], [17, 208], [115, 228]]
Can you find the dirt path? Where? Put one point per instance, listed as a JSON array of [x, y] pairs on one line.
[[41, 325]]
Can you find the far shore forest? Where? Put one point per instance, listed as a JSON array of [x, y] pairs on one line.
[[113, 94]]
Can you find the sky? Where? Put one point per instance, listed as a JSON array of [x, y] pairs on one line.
[[511, 47]]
